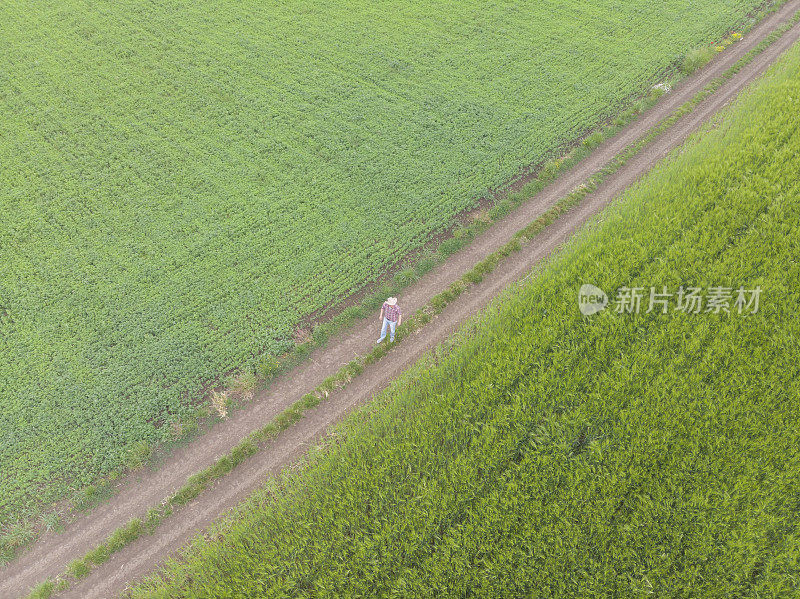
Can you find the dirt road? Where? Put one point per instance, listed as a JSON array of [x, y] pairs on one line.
[[52, 553]]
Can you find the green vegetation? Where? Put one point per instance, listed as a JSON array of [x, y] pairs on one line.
[[179, 189], [697, 59], [545, 451], [261, 437]]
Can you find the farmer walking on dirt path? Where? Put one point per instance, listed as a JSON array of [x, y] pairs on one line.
[[391, 317]]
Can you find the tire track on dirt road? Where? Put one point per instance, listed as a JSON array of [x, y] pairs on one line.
[[50, 556]]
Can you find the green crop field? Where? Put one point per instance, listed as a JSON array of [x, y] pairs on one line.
[[548, 454], [182, 182]]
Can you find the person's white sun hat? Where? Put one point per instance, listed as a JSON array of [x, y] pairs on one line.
[[392, 301]]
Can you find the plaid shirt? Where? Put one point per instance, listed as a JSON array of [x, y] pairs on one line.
[[391, 312]]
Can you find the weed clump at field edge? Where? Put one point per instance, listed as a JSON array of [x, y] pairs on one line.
[[696, 59]]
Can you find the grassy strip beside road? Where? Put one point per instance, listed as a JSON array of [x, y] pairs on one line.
[[650, 453], [199, 482]]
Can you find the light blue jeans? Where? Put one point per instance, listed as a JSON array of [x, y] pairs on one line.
[[390, 325]]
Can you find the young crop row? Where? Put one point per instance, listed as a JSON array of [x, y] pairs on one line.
[[553, 454], [180, 186]]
